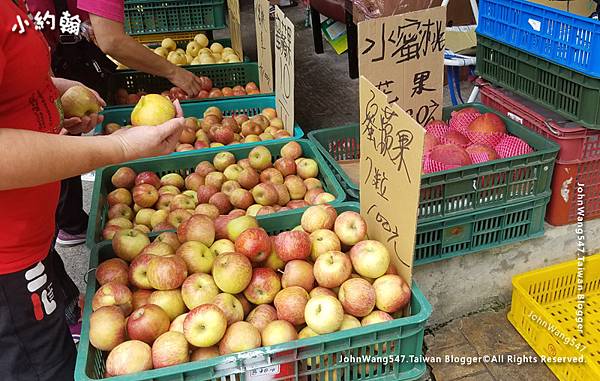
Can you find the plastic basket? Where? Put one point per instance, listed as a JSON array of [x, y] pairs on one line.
[[250, 105], [578, 159], [230, 74], [571, 94], [402, 338], [178, 37], [561, 37], [543, 310], [185, 164], [482, 230], [166, 16], [463, 190]]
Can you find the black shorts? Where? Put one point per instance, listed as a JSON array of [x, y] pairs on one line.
[[35, 341]]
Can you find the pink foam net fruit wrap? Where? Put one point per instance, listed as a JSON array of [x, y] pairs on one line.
[[511, 146], [437, 128], [431, 166], [456, 138], [460, 121], [479, 157], [488, 139]]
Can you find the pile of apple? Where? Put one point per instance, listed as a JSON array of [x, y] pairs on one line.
[[197, 52], [190, 296], [220, 190], [469, 137], [216, 130]]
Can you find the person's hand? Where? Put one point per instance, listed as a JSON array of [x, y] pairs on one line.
[[187, 81], [147, 141], [63, 84], [78, 126]]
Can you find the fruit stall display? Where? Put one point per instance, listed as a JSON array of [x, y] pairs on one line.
[[481, 180], [247, 121], [551, 295], [144, 17], [161, 193], [578, 159], [294, 293]]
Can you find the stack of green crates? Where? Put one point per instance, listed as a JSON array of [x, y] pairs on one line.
[[471, 208]]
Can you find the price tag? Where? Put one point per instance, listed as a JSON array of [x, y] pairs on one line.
[[263, 45], [391, 150], [284, 69], [403, 56], [234, 27]]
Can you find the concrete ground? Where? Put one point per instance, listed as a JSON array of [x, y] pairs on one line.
[[469, 294]]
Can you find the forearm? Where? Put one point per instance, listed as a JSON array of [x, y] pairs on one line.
[[31, 158], [63, 84]]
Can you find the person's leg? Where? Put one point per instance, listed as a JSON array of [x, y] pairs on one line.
[[71, 220], [34, 337]]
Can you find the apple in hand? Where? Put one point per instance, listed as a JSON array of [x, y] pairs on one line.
[[112, 270], [357, 297], [392, 293], [240, 336], [370, 258], [166, 273], [292, 245], [332, 268], [254, 243], [232, 272], [107, 328], [263, 287], [198, 289], [197, 256], [231, 307], [170, 348], [205, 325], [324, 314], [277, 332], [290, 304], [147, 323], [262, 315], [350, 228], [298, 273]]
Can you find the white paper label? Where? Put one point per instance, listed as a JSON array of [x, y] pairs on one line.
[[90, 176], [535, 24], [514, 117], [263, 374]]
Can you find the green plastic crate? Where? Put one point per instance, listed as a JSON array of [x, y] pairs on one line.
[[166, 16], [250, 105], [185, 164], [481, 230], [463, 190], [229, 74], [573, 95], [403, 338]]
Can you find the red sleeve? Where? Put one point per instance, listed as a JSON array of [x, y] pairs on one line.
[[110, 9]]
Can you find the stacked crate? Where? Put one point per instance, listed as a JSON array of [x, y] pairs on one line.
[[548, 63]]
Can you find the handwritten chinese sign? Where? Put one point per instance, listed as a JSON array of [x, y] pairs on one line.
[[234, 27], [391, 147], [403, 56], [263, 45], [284, 69]]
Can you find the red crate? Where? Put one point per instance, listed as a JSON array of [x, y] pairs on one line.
[[578, 159]]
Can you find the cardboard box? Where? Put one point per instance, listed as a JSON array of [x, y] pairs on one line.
[[459, 11], [579, 7]]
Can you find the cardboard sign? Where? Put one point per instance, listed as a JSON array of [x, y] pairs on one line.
[[234, 27], [284, 69], [403, 56], [391, 148], [263, 45]]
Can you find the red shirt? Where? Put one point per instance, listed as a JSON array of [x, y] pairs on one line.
[[29, 101], [109, 9]]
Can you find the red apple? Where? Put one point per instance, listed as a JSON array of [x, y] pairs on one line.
[[129, 357], [166, 273], [357, 297], [277, 332], [332, 268], [318, 217], [145, 195], [392, 293], [138, 271], [107, 328], [271, 175], [290, 303], [119, 196], [197, 228], [205, 192], [170, 348], [321, 291], [128, 243], [198, 289], [113, 270], [350, 228], [254, 243], [240, 336], [147, 323], [204, 168], [322, 241], [124, 177], [148, 177], [248, 178], [265, 194], [292, 245], [232, 272], [113, 294], [262, 315], [140, 298], [292, 150], [298, 273], [193, 181], [231, 307], [263, 286], [221, 201]]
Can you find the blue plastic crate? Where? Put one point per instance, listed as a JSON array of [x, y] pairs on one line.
[[564, 38]]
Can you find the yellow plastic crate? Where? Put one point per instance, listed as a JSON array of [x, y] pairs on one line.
[[544, 305]]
